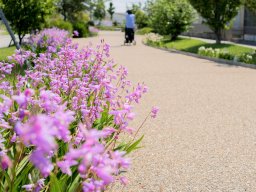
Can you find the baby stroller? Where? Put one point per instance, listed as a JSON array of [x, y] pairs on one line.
[[129, 37]]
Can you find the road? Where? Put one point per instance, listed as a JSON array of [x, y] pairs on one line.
[[204, 138]]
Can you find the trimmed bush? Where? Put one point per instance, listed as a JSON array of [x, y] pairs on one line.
[[170, 17], [226, 55], [81, 28], [61, 24], [246, 58], [153, 39]]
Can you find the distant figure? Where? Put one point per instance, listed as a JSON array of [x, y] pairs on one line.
[[129, 27]]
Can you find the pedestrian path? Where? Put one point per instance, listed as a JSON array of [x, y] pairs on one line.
[[204, 138], [4, 40]]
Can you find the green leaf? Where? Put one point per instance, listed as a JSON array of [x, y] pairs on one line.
[[134, 145], [7, 177], [22, 164], [74, 185], [55, 185], [121, 147], [22, 177]]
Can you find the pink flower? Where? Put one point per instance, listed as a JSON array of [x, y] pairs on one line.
[[124, 181], [5, 162], [28, 187], [75, 33], [154, 112]]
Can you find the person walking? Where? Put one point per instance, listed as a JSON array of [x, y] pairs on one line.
[[129, 27]]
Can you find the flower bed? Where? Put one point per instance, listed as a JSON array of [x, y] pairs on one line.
[[247, 58], [231, 52], [61, 116]]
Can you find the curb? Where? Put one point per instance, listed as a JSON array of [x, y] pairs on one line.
[[222, 61]]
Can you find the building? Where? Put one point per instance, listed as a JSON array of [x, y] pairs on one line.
[[243, 27]]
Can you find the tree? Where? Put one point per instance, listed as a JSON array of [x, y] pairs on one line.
[[251, 4], [141, 17], [99, 12], [111, 10], [170, 17], [70, 7], [26, 15], [217, 13]]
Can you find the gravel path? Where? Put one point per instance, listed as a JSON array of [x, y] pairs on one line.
[[204, 138]]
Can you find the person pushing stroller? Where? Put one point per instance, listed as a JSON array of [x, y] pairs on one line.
[[130, 28]]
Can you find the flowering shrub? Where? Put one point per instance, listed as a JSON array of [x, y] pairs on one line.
[[246, 58], [153, 39], [61, 121], [209, 52], [48, 40], [215, 53]]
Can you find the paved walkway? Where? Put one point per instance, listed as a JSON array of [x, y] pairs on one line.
[[4, 40], [205, 136]]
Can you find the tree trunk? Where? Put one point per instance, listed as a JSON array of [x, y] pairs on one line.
[[65, 15], [21, 38], [218, 36], [174, 37]]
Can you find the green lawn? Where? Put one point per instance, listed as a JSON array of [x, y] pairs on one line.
[[192, 46], [2, 32], [4, 52]]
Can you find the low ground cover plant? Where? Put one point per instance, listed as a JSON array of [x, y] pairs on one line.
[[153, 39], [62, 112], [247, 58], [215, 53], [4, 52], [223, 51]]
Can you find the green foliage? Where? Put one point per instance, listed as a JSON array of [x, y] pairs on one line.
[[80, 17], [215, 53], [111, 10], [133, 145], [251, 4], [209, 52], [192, 45], [4, 52], [153, 39], [223, 51], [99, 12], [81, 28], [170, 17], [226, 55], [61, 24], [141, 18], [144, 31], [217, 14], [69, 8], [25, 16], [248, 58]]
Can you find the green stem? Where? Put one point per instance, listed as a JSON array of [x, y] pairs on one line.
[[15, 164]]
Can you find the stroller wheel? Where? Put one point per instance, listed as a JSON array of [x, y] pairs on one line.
[[134, 42]]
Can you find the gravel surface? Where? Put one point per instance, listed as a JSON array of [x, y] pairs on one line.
[[204, 138]]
